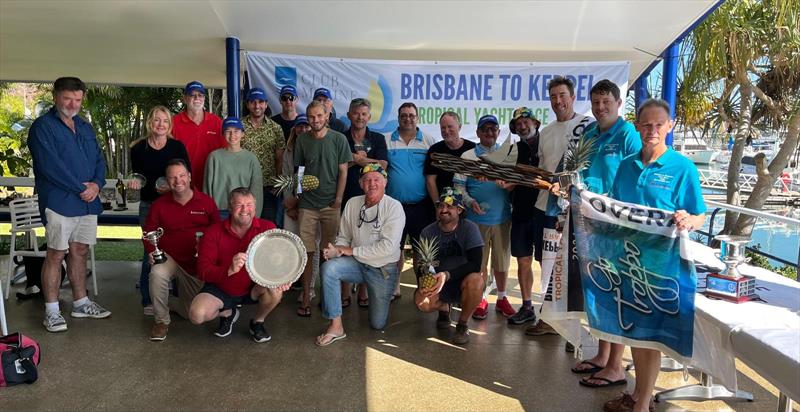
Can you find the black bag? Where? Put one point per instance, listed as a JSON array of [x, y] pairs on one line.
[[19, 356], [33, 274]]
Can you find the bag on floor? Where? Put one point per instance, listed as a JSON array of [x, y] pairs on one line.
[[33, 274], [19, 357]]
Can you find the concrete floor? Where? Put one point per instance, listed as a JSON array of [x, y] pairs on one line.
[[110, 365]]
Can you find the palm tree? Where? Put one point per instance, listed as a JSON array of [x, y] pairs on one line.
[[748, 49]]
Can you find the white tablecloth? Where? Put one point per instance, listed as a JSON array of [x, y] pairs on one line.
[[777, 320]]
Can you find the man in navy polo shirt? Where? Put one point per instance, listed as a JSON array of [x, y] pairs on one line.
[[70, 171]]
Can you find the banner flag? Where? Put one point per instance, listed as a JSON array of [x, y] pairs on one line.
[[471, 89], [638, 277]]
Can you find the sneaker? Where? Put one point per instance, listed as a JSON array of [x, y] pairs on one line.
[[504, 307], [443, 322], [461, 336], [540, 329], [148, 311], [90, 310], [259, 332], [524, 315], [159, 332], [54, 322], [226, 324], [481, 311]]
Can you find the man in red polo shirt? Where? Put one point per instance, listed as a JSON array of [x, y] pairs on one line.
[[181, 214], [198, 130], [221, 264]]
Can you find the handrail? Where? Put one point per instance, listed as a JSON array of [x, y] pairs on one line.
[[758, 214]]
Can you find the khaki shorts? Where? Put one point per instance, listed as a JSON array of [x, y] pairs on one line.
[[497, 242], [325, 220], [61, 230]]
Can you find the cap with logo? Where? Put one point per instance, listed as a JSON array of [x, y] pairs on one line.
[[232, 122], [323, 92], [194, 86], [256, 93]]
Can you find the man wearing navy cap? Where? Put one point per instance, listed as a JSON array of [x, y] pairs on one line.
[[325, 97], [288, 98], [198, 130], [488, 204], [265, 139]]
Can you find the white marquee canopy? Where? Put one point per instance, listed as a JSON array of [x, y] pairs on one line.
[[168, 42]]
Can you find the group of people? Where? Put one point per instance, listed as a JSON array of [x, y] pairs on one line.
[[374, 191]]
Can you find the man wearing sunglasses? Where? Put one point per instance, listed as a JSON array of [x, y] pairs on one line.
[[288, 98], [365, 251]]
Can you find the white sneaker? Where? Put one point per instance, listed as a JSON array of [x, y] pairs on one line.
[[54, 322], [90, 310]]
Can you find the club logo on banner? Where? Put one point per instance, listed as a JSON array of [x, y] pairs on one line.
[[471, 89], [637, 276]]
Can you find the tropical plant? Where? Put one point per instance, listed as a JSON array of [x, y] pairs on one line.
[[749, 50]]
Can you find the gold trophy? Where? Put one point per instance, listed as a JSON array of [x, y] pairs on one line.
[[158, 255]]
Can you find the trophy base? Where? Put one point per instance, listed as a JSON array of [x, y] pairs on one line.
[[733, 289], [159, 259]]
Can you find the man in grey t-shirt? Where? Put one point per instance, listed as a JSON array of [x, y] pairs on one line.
[[458, 273]]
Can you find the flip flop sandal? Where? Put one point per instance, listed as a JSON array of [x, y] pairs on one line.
[[333, 337], [304, 311], [363, 303], [608, 382], [594, 368]]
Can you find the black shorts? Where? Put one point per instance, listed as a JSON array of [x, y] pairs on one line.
[[418, 215], [451, 291], [522, 232], [228, 301]]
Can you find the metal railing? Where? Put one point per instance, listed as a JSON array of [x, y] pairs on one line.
[[718, 179], [718, 206]]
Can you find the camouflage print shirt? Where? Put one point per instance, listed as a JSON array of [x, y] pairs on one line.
[[264, 142]]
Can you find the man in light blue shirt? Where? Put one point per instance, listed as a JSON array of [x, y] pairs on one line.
[[489, 206]]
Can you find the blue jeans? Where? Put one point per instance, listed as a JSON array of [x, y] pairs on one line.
[[348, 269], [144, 275]]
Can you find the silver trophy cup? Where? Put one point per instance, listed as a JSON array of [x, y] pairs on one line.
[[158, 255]]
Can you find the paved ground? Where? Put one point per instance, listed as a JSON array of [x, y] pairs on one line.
[[110, 365]]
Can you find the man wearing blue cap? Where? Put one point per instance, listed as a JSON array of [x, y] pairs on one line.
[[489, 206], [198, 130], [325, 97], [264, 138], [288, 98]]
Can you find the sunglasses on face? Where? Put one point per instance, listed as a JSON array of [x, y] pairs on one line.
[[287, 98]]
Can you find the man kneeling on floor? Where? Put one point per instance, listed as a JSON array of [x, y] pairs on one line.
[[458, 277], [221, 264], [366, 251]]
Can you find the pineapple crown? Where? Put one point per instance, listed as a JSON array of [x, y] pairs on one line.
[[373, 167], [578, 155], [426, 250]]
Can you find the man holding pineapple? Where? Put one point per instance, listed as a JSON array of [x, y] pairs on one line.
[[449, 256], [365, 251]]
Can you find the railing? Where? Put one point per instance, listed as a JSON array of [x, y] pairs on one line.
[[757, 214], [718, 179]]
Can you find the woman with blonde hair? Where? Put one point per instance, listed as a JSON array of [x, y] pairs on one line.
[[149, 157]]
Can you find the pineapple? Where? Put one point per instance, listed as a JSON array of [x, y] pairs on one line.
[[577, 155], [426, 250], [288, 183]]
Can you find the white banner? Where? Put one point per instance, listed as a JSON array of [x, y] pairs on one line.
[[472, 89]]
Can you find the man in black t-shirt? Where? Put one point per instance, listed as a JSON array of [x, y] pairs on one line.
[[437, 179], [288, 97], [458, 271]]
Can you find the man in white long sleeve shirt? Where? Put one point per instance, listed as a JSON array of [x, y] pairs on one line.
[[365, 251]]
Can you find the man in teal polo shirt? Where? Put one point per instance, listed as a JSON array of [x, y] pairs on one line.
[[616, 139], [489, 206], [657, 176]]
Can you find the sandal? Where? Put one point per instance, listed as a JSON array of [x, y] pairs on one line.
[[320, 341], [304, 311], [608, 382], [363, 303], [346, 302], [594, 367]]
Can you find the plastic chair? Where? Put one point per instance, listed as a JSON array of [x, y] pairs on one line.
[[25, 218]]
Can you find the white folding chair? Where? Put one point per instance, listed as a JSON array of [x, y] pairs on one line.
[[25, 218], [3, 325]]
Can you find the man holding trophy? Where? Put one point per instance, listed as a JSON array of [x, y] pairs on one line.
[[170, 237]]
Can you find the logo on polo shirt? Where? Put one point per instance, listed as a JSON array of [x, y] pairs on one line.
[[610, 148], [197, 212], [661, 180]]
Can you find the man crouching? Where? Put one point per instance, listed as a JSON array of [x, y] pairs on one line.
[[458, 277], [221, 264]]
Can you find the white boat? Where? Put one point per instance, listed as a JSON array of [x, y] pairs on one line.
[[697, 151]]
